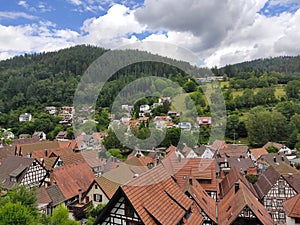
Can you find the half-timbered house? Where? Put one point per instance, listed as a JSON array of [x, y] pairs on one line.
[[273, 188], [18, 170]]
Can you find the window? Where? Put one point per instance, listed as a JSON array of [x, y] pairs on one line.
[[96, 186], [281, 216], [281, 191], [13, 179], [279, 203], [297, 220], [97, 198], [269, 202], [204, 181]]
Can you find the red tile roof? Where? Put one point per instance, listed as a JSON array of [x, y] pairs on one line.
[[230, 150], [292, 206], [234, 202], [73, 177], [93, 159], [257, 152], [156, 197], [231, 178], [216, 145], [197, 168]]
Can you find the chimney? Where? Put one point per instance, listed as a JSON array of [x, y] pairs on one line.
[[274, 159], [282, 158], [79, 195], [236, 187], [46, 152], [290, 174]]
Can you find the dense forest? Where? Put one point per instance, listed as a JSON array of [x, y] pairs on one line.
[[261, 96]]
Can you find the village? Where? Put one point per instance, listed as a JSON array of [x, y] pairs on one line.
[[217, 183]]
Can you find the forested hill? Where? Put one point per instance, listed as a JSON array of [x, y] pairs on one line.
[[37, 80], [288, 65]]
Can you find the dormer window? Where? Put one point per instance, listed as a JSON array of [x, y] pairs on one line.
[[13, 179]]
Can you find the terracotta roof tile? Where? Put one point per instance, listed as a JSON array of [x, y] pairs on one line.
[[197, 168], [147, 193], [230, 150], [257, 152], [43, 196], [292, 206], [41, 145], [73, 177], [93, 159], [231, 178], [234, 202], [55, 194]]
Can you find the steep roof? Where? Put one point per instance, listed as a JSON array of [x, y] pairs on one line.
[[292, 206], [257, 152], [234, 202], [41, 145], [43, 196], [242, 164], [93, 159], [55, 194], [14, 166], [156, 197], [231, 150], [276, 145], [73, 177], [231, 178], [273, 159], [203, 200], [197, 168], [266, 181], [216, 145]]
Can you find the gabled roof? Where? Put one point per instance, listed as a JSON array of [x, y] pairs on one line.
[[55, 194], [139, 161], [243, 164], [41, 146], [197, 168], [231, 178], [203, 200], [67, 144], [73, 177], [43, 197], [257, 152], [14, 166], [266, 181], [156, 197], [273, 159], [276, 145], [108, 186], [235, 201], [231, 150], [93, 159], [292, 206], [216, 145]]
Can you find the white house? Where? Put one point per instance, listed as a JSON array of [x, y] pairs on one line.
[[25, 117]]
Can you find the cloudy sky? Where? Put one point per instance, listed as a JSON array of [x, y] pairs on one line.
[[219, 32]]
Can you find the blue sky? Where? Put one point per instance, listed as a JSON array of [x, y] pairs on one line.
[[218, 32]]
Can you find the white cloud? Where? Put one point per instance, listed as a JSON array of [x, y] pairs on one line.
[[111, 29], [16, 15]]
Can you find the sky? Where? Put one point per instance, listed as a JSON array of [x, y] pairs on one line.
[[218, 32]]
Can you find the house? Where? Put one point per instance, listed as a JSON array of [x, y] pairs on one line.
[[62, 135], [18, 170], [40, 134], [204, 152], [25, 117], [51, 110], [185, 126], [292, 210], [274, 187], [232, 150], [164, 99], [151, 198], [240, 206], [104, 187], [189, 152], [245, 165], [256, 153], [204, 120], [25, 150], [201, 170], [73, 181], [216, 146], [49, 198], [144, 110], [162, 122], [271, 159], [173, 113], [95, 162]]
